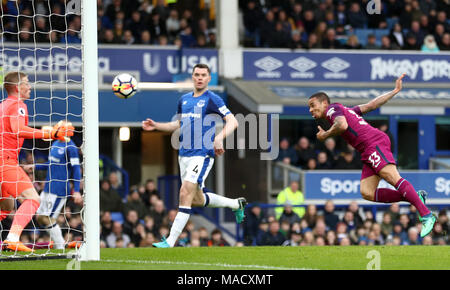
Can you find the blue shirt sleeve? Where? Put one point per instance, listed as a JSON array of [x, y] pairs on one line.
[[74, 160], [216, 105]]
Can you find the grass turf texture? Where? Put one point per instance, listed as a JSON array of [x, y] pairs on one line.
[[255, 258]]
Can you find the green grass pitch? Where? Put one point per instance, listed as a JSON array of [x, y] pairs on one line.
[[255, 258]]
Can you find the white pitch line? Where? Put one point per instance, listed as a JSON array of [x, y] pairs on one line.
[[203, 264]]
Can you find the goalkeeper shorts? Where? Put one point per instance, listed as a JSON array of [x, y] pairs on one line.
[[14, 180]]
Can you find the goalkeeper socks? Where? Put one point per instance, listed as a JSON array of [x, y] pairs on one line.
[[387, 195], [178, 224], [56, 236], [215, 200], [409, 194], [21, 219]]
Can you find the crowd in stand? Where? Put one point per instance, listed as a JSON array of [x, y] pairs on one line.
[[328, 24], [332, 24], [350, 226]]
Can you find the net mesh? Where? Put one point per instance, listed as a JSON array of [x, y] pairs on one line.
[[42, 38]]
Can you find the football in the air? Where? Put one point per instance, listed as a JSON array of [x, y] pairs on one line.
[[124, 86]]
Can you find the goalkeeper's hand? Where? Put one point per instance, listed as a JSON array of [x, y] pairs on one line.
[[61, 131]]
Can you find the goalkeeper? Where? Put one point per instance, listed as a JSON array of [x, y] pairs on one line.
[[15, 183], [63, 163]]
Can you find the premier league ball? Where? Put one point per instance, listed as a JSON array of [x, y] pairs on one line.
[[124, 86]]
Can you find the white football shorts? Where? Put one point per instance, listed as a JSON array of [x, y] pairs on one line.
[[51, 204], [195, 169]]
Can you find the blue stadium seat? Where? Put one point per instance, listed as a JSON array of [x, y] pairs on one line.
[[381, 32], [117, 217], [362, 34], [391, 21]]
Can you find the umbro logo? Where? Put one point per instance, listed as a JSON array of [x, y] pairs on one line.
[[269, 65], [336, 66], [302, 64]]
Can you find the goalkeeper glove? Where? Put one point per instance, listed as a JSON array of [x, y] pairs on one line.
[[61, 131]]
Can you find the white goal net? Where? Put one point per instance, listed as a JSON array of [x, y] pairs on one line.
[[45, 40]]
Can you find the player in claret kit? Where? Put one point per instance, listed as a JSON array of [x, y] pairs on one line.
[[15, 183], [375, 149]]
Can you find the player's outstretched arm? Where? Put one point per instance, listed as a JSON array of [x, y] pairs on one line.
[[150, 125], [231, 124], [383, 99], [338, 127], [58, 132]]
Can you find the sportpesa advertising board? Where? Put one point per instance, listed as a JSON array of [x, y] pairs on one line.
[[154, 64], [337, 185]]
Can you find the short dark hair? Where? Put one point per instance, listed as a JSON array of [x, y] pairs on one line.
[[201, 65], [321, 96]]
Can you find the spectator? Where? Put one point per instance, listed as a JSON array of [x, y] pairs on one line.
[[304, 152], [444, 220], [115, 183], [157, 25], [331, 239], [146, 37], [253, 17], [117, 238], [347, 161], [411, 42], [354, 208], [289, 215], [417, 31], [311, 164], [331, 150], [287, 154], [109, 198], [267, 29], [150, 190], [158, 213], [387, 226], [413, 236], [320, 229], [309, 21], [397, 36], [371, 42], [405, 16], [429, 44], [106, 225], [352, 43], [254, 216], [311, 215], [330, 40], [173, 24], [356, 17], [322, 161], [296, 40], [133, 228], [273, 237], [295, 239], [204, 237], [386, 43], [135, 203], [439, 32], [217, 239], [293, 195], [445, 43], [341, 14], [279, 37], [331, 219], [313, 42]]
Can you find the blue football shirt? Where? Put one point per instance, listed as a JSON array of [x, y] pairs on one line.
[[62, 167], [198, 118]]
